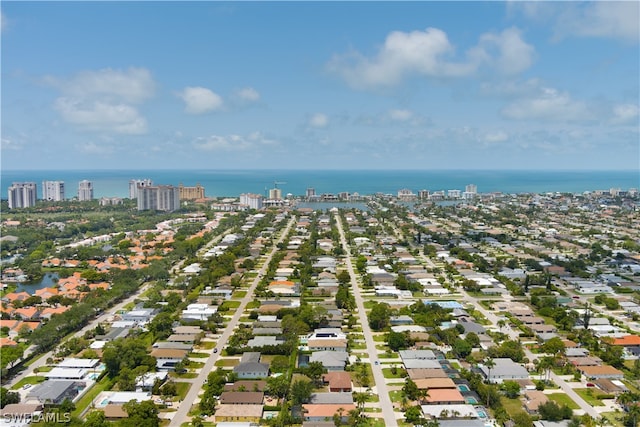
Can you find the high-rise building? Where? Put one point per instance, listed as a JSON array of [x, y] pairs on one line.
[[423, 194], [135, 183], [253, 201], [453, 194], [53, 190], [22, 195], [275, 194], [85, 191], [159, 198], [311, 192], [470, 192], [191, 193]]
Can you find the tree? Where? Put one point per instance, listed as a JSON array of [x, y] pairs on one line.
[[489, 363], [410, 389], [551, 411], [413, 415], [314, 370], [301, 391], [7, 397], [277, 386], [96, 419], [461, 348], [379, 316], [522, 419], [511, 389], [398, 340], [161, 326], [143, 414]]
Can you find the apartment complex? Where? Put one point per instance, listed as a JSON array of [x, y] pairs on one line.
[[160, 198], [85, 190], [135, 183], [253, 201], [53, 191], [191, 193], [22, 195]]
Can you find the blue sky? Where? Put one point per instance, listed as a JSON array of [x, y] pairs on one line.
[[321, 85]]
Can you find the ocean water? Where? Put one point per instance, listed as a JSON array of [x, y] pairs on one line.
[[223, 183]]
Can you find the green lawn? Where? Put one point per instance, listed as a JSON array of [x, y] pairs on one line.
[[253, 304], [229, 304], [182, 389], [395, 395], [563, 399], [239, 294], [388, 373], [104, 384], [28, 380], [512, 406], [590, 396], [196, 355], [206, 345], [227, 362]]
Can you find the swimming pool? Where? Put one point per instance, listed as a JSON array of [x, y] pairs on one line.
[[471, 400], [463, 387], [481, 414], [105, 402]]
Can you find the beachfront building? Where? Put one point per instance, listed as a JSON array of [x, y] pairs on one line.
[[160, 198], [253, 201], [53, 191], [191, 193], [22, 195], [135, 183], [85, 191]]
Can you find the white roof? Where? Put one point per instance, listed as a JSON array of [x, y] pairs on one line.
[[126, 396], [462, 410], [72, 362], [66, 373]]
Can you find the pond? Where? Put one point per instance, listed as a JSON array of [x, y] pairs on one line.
[[48, 280]]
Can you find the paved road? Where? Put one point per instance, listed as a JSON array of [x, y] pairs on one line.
[[381, 386], [181, 415], [42, 361], [514, 335]]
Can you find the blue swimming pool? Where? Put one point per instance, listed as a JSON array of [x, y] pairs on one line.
[[471, 400], [482, 414], [463, 387]]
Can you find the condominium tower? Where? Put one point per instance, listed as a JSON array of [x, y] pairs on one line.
[[135, 183], [85, 190], [53, 191], [22, 195], [159, 198]]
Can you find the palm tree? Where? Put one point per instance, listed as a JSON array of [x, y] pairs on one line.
[[489, 363]]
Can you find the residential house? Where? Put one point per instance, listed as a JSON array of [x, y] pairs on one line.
[[338, 381]]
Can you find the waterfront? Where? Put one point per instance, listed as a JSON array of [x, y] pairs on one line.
[[222, 183]]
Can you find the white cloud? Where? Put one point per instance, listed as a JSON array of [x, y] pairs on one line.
[[513, 55], [133, 85], [199, 100], [549, 104], [625, 113], [101, 116], [615, 19], [510, 88], [495, 137], [319, 120], [400, 115], [93, 148], [248, 94], [102, 100], [604, 19], [10, 144], [232, 142], [429, 53]]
